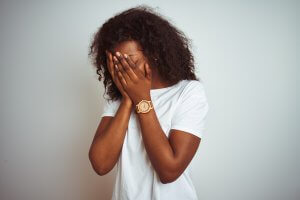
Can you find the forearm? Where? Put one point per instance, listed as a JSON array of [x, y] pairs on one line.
[[107, 146], [157, 145]]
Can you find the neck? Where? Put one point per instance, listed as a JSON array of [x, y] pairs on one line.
[[157, 82]]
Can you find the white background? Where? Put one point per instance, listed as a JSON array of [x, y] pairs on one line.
[[51, 99]]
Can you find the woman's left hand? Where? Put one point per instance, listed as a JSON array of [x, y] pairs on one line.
[[136, 83]]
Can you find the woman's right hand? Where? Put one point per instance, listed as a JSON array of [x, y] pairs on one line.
[[112, 71]]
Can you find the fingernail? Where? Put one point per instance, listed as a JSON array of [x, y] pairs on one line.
[[125, 55], [118, 54]]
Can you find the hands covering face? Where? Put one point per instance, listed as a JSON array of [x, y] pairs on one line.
[[136, 84]]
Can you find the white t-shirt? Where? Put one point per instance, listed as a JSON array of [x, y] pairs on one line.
[[182, 106]]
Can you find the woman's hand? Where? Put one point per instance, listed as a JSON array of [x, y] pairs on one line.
[[135, 82], [112, 71]]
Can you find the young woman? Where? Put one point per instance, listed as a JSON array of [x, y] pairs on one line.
[[152, 124]]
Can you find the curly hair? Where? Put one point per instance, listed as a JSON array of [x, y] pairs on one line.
[[165, 47]]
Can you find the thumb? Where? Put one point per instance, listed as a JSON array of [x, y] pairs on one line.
[[148, 71]]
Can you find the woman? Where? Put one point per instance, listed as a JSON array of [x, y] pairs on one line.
[[152, 124]]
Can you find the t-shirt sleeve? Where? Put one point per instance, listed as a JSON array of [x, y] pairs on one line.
[[110, 107], [191, 110]]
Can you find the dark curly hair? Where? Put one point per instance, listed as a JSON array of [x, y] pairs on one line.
[[158, 38]]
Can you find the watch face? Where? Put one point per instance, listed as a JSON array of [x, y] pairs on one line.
[[144, 106]]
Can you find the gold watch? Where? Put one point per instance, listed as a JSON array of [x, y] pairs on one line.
[[144, 106]]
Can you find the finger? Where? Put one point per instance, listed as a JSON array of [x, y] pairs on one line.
[[110, 64], [116, 79], [134, 67], [140, 70], [129, 61], [127, 68], [121, 69], [148, 71], [114, 74], [121, 78]]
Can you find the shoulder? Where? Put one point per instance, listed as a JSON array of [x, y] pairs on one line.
[[112, 103], [193, 88], [117, 101]]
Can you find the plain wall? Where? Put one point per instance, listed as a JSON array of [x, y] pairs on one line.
[[51, 99]]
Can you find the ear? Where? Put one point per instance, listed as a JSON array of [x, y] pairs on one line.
[[148, 72]]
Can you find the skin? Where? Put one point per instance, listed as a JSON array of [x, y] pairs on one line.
[[134, 78]]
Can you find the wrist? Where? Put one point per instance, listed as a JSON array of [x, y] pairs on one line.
[[127, 102], [146, 97]]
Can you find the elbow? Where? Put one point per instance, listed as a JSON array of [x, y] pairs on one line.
[[168, 178], [102, 172], [165, 181], [97, 165], [169, 174]]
